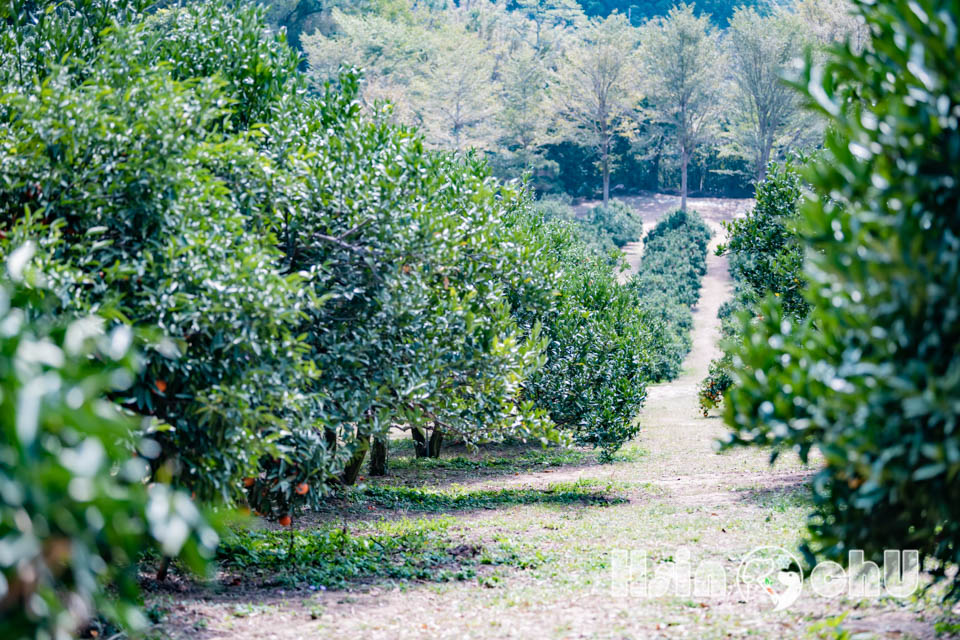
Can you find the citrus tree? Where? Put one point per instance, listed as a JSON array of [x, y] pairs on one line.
[[317, 275], [668, 285], [766, 259], [593, 382], [138, 193]]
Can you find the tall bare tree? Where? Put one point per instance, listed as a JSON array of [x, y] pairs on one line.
[[765, 110], [523, 118], [593, 88], [437, 75], [454, 99], [829, 22], [682, 67], [546, 15]]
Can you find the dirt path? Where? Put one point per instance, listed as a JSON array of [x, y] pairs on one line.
[[652, 207], [680, 496]]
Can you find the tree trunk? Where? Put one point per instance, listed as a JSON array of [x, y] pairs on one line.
[[764, 160], [163, 568], [419, 443], [605, 168], [352, 470], [436, 439], [684, 160], [378, 457], [656, 169]]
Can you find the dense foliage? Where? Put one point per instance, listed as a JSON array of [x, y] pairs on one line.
[[316, 276], [765, 258], [764, 252], [668, 285], [599, 343], [321, 275], [870, 377], [603, 228], [617, 220], [75, 514]]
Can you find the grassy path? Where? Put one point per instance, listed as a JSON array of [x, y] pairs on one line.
[[668, 491]]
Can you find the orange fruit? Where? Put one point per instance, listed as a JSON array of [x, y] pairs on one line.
[[285, 521], [248, 482], [302, 488], [161, 385]]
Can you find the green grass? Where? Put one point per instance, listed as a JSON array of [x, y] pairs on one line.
[[628, 453], [457, 497], [525, 461], [330, 557]]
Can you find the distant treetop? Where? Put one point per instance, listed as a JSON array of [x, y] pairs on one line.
[[640, 11]]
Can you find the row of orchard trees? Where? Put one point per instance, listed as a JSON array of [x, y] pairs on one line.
[[847, 340], [514, 80], [296, 275]]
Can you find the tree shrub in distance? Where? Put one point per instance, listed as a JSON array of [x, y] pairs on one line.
[[618, 220], [593, 381], [668, 285], [765, 258]]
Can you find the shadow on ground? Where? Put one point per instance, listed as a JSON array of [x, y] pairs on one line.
[[790, 492]]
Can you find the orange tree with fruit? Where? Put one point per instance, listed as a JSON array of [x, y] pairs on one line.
[[305, 274]]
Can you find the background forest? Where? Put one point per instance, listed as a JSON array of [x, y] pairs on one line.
[[566, 91]]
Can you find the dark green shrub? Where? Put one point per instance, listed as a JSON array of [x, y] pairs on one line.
[[593, 381], [669, 323], [766, 257], [870, 377], [675, 258], [208, 41], [555, 208], [718, 380], [617, 220], [591, 229], [765, 254], [667, 285]]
